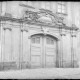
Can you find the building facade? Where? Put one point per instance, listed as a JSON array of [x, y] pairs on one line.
[[39, 34]]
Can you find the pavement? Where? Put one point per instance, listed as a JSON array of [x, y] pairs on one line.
[[47, 73]]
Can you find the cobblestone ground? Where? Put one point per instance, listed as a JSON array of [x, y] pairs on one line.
[[66, 73]]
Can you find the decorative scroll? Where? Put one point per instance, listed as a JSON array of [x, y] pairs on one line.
[[24, 29], [53, 16], [7, 27], [45, 30]]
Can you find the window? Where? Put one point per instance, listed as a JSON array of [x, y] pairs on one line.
[[35, 40], [61, 7], [50, 41]]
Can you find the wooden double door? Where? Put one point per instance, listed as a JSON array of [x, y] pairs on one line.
[[43, 51]]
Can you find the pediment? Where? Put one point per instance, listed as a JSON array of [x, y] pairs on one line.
[[44, 16]]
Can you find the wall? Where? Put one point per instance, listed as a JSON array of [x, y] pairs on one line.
[[16, 41]]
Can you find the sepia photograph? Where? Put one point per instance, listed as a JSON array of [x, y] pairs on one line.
[[39, 40]]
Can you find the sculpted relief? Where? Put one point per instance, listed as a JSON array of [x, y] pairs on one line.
[[44, 16]]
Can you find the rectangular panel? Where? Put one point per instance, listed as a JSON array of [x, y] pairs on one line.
[[51, 53], [51, 65], [25, 46], [16, 43], [7, 54], [9, 65], [35, 48], [36, 59], [50, 59], [50, 49], [35, 53]]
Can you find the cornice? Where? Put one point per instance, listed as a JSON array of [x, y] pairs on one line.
[[60, 26]]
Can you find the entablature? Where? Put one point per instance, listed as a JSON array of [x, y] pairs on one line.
[[32, 22]]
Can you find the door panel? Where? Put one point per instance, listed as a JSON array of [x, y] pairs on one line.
[[36, 51], [50, 52], [35, 59]]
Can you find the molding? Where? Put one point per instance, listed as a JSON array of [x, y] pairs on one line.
[[62, 13], [3, 18], [73, 35], [53, 35], [63, 34], [28, 6], [9, 28]]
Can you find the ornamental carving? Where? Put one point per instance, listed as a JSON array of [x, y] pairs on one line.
[[43, 16], [45, 30], [32, 15], [24, 29], [7, 26]]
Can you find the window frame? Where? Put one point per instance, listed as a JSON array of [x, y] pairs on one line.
[[65, 5]]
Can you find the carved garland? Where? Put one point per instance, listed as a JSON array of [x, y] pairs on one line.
[[34, 16]]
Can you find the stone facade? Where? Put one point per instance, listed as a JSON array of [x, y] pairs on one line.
[[33, 37]]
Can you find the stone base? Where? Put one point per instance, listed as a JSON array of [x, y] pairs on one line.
[[70, 65], [8, 65], [25, 65]]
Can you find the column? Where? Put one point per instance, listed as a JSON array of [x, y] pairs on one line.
[[73, 50], [62, 34]]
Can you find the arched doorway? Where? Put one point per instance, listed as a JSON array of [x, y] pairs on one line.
[[43, 51]]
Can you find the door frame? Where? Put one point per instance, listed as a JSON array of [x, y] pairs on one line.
[[57, 39]]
